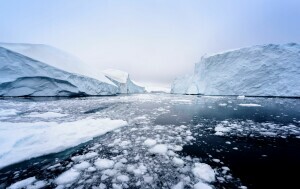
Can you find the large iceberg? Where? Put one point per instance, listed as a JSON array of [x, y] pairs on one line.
[[56, 58], [123, 81], [25, 76], [262, 70]]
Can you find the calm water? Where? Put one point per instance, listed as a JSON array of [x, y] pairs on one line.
[[258, 139]]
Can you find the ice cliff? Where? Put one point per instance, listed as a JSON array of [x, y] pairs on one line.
[[24, 76], [262, 70]]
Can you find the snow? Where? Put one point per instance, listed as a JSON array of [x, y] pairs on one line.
[[104, 163], [123, 81], [67, 177], [23, 183], [204, 172], [24, 140], [24, 76], [159, 149], [250, 105], [262, 70], [149, 142]]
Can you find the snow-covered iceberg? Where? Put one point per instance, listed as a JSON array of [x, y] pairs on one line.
[[262, 70], [24, 76], [123, 81]]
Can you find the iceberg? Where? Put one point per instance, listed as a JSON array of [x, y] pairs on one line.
[[25, 76], [56, 58], [123, 81], [261, 70]]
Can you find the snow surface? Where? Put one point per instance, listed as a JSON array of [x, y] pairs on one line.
[[24, 76], [23, 140], [262, 70], [123, 81]]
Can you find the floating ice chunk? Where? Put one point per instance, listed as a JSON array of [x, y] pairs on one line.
[[250, 105], [83, 165], [148, 179], [117, 186], [23, 183], [46, 114], [24, 140], [123, 178], [67, 177], [268, 133], [159, 149], [240, 97], [119, 165], [109, 172], [220, 129], [179, 185], [37, 185], [201, 185], [204, 172], [177, 148], [178, 161], [222, 104], [102, 186], [142, 169], [149, 142], [124, 144], [225, 168], [104, 163], [216, 160], [91, 169], [90, 155]]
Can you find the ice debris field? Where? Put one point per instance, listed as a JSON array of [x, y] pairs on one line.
[[135, 141]]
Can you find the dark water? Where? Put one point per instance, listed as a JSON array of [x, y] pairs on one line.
[[260, 162], [255, 160]]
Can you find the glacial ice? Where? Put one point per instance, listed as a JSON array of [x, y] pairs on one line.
[[55, 57], [262, 70], [24, 76], [123, 81]]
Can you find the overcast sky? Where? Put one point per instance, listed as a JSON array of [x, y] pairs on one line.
[[153, 40]]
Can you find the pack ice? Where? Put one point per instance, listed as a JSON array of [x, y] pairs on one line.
[[123, 81], [262, 70]]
